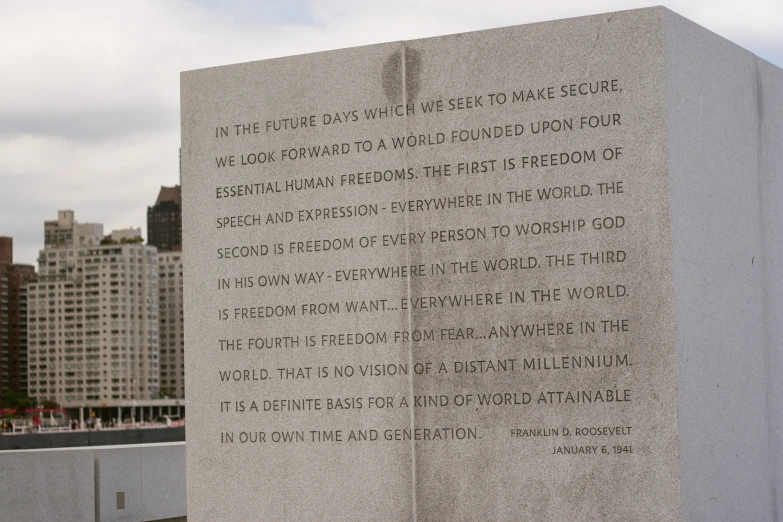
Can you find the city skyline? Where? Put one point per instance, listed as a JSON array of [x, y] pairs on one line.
[[89, 115]]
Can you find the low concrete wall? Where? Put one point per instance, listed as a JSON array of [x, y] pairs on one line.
[[71, 439], [136, 483], [47, 485]]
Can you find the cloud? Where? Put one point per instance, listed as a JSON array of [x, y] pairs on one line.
[[89, 124], [109, 182], [89, 105]]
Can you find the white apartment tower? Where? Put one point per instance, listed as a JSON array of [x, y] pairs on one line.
[[93, 324], [172, 336]]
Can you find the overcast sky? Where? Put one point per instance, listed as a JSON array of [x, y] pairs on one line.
[[89, 90]]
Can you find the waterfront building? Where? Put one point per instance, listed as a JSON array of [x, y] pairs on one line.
[[93, 323], [171, 328]]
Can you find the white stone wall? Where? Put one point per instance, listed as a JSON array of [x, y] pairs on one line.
[[82, 484]]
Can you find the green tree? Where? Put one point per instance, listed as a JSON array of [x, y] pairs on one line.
[[18, 400]]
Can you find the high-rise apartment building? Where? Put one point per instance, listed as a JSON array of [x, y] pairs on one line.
[[13, 319], [172, 336], [164, 220], [93, 324]]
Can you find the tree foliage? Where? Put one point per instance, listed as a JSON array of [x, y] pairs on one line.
[[18, 400]]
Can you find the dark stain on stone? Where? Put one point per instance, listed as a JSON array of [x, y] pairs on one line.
[[391, 75]]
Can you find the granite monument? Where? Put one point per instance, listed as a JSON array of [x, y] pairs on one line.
[[530, 273]]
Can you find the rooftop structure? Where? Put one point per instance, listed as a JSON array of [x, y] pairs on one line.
[[65, 231]]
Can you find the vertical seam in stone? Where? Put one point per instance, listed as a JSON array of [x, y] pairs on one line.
[[141, 479], [97, 482], [412, 409], [771, 447]]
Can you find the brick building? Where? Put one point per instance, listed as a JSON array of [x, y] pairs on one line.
[[13, 319], [164, 220]]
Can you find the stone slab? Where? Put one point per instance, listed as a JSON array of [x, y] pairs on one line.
[[163, 484], [464, 278], [138, 483], [81, 484], [724, 126], [47, 486], [118, 484]]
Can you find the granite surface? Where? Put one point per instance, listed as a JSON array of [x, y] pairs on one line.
[[725, 127], [47, 486], [435, 280]]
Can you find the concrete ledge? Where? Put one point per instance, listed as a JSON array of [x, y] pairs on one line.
[[129, 483], [48, 486]]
